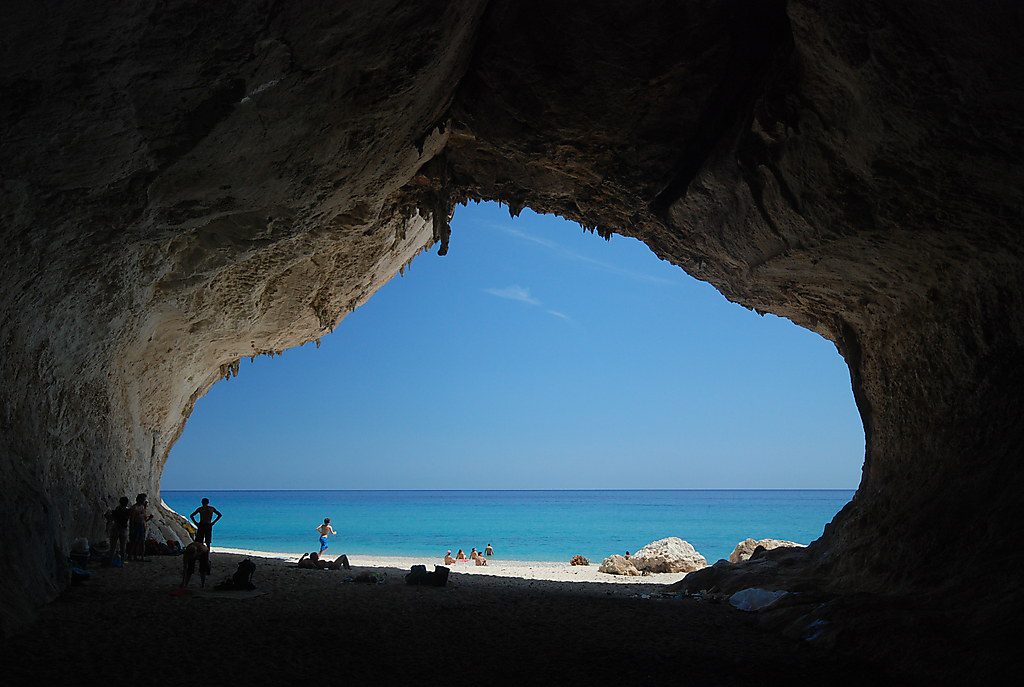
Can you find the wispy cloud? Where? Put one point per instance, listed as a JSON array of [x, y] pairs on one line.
[[533, 239], [590, 262], [521, 294], [514, 293]]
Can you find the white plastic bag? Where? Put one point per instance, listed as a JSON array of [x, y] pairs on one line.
[[754, 599]]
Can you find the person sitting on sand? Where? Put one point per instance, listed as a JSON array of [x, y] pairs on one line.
[[313, 561], [448, 560], [309, 560], [473, 554], [324, 530], [489, 551], [480, 560], [460, 556]]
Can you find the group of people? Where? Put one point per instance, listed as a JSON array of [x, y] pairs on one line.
[[474, 555], [127, 530], [126, 527], [316, 559], [198, 552], [313, 560]]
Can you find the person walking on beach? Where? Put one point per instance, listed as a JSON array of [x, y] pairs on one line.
[[137, 519], [204, 526], [325, 530]]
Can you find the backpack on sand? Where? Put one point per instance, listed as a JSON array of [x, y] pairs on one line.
[[241, 580], [420, 576]]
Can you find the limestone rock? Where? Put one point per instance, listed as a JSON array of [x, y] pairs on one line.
[[745, 549], [669, 555], [853, 167], [618, 565], [579, 560], [776, 568]]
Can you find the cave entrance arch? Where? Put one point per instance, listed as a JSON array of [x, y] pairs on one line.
[[233, 180], [534, 356]]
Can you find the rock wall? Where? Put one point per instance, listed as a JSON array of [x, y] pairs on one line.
[[186, 184]]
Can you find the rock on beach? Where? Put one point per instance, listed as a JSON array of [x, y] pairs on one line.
[[745, 549], [618, 565], [669, 555]]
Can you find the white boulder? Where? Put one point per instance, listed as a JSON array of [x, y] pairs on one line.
[[669, 555], [618, 565], [745, 548]]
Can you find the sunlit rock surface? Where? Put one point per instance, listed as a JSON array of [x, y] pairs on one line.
[[746, 547], [669, 555], [183, 185], [618, 565]]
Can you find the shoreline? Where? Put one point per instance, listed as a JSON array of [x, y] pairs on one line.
[[554, 571]]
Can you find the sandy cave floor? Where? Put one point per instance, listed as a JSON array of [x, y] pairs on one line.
[[125, 624]]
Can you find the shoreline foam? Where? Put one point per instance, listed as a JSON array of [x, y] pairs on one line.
[[554, 571]]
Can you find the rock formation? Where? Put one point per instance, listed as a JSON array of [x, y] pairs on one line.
[[669, 555], [774, 569], [745, 548], [618, 565], [183, 185]]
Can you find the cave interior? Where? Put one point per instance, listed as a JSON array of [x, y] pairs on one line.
[[184, 185]]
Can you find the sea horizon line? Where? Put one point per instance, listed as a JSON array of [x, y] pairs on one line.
[[596, 489]]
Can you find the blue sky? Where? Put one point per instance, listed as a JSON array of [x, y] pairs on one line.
[[534, 356]]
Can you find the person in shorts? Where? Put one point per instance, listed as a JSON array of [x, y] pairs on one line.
[[137, 519], [204, 526], [325, 530]]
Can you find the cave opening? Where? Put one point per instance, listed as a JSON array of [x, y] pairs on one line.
[[533, 356], [181, 190]]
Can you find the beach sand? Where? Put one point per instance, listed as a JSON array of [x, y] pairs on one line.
[[496, 567], [133, 623]]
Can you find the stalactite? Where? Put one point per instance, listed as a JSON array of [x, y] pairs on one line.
[[515, 207]]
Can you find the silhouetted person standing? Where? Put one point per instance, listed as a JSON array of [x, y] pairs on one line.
[[119, 518], [137, 520], [204, 526]]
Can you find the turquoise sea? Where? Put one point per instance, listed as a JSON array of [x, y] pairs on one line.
[[521, 525]]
